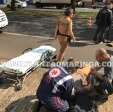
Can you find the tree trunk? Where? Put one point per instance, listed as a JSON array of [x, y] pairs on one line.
[[73, 4], [13, 8], [93, 2]]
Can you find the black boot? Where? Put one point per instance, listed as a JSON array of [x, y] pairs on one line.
[[39, 106]]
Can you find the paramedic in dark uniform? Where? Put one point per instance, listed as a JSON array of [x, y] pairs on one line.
[[57, 90], [103, 22]]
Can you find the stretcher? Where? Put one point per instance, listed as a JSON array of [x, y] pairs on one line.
[[17, 69]]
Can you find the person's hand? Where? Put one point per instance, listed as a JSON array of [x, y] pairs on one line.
[[93, 71], [110, 81], [74, 38], [55, 37], [107, 80], [84, 82]]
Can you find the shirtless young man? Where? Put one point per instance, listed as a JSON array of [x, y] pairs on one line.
[[63, 32]]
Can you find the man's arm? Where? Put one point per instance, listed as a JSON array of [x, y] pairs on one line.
[[96, 68], [110, 17], [70, 29], [108, 73], [56, 30], [79, 88]]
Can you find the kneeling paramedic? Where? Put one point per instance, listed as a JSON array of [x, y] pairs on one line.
[[57, 89]]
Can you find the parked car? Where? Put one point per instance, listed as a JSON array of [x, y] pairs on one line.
[[3, 21], [18, 3]]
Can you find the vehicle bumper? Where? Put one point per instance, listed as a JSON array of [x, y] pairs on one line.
[[3, 24]]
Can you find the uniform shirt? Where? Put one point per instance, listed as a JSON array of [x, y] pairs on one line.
[[104, 17], [56, 82]]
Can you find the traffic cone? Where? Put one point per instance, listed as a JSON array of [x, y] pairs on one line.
[[90, 22]]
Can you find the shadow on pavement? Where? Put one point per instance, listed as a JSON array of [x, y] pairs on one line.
[[45, 40], [86, 33], [26, 104], [5, 84]]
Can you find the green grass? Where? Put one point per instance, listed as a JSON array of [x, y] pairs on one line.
[[22, 12], [87, 14]]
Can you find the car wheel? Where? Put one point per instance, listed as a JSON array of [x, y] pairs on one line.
[[38, 5], [83, 4], [27, 50], [18, 87], [1, 31], [59, 7], [19, 6], [8, 6]]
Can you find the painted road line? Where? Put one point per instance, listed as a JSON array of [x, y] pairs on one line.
[[42, 37], [33, 36]]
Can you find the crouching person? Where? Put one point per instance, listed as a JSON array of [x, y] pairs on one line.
[[59, 91], [55, 90], [105, 79]]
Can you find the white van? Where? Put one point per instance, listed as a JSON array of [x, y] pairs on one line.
[[18, 3], [3, 20]]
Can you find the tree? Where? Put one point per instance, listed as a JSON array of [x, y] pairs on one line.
[[73, 4], [93, 2], [13, 8]]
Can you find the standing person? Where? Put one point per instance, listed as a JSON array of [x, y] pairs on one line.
[[64, 33], [112, 16], [103, 22]]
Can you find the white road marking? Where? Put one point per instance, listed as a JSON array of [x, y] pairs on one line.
[[25, 22], [34, 36], [42, 37]]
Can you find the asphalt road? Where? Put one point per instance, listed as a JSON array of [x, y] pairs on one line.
[[44, 26], [12, 44]]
